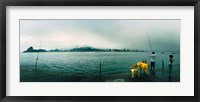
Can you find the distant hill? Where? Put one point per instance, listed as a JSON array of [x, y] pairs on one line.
[[31, 49], [85, 49]]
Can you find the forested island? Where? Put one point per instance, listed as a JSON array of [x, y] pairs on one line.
[[82, 49]]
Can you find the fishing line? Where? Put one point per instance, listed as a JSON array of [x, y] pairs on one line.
[[149, 42], [37, 58]]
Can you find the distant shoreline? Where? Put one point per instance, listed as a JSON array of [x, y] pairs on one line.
[[82, 49], [92, 49], [87, 51]]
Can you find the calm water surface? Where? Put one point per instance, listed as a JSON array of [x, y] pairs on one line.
[[84, 66]]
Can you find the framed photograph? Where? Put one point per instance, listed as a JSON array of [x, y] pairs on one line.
[[72, 50]]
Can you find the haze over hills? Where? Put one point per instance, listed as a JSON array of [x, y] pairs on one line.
[[82, 49], [164, 35]]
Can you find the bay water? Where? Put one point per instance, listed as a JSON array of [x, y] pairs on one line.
[[85, 66]]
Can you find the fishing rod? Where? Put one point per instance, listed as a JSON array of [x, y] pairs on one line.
[[149, 42], [37, 56]]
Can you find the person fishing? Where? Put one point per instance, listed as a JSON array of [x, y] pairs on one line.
[[152, 56], [171, 60], [153, 61]]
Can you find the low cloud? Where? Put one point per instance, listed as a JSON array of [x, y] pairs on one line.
[[132, 34]]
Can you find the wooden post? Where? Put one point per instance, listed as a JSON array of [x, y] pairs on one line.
[[163, 65], [100, 69], [35, 70], [36, 67]]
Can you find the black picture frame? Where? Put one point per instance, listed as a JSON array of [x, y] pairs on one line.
[[4, 3]]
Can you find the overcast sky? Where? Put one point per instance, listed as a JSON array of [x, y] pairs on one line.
[[129, 34]]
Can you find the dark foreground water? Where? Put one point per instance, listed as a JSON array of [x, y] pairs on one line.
[[85, 66]]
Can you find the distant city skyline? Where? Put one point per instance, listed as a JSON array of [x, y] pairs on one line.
[[106, 34]]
